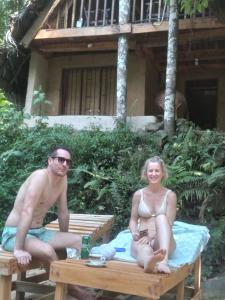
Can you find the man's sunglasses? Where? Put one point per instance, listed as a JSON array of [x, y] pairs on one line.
[[61, 160]]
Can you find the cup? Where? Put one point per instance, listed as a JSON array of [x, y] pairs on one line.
[[96, 259]]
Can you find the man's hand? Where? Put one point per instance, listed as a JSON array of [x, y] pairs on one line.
[[23, 257]]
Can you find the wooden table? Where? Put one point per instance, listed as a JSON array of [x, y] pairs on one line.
[[117, 276]]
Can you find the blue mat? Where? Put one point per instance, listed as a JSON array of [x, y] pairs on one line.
[[191, 240]]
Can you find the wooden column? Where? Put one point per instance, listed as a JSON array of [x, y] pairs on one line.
[[124, 14]]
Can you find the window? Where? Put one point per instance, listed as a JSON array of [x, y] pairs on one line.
[[89, 91]]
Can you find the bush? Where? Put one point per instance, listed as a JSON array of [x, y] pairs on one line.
[[106, 171]]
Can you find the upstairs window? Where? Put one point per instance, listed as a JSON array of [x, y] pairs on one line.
[[89, 91]]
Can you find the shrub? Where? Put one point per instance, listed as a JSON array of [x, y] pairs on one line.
[[106, 171]]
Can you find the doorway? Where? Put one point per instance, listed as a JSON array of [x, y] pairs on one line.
[[202, 102]]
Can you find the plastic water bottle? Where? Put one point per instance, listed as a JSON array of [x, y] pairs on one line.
[[72, 253], [86, 246]]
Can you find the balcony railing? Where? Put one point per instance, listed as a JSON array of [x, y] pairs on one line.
[[95, 13]]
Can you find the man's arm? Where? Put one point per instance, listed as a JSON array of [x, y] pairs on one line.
[[33, 194], [63, 213]]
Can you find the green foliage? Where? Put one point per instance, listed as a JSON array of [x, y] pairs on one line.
[[40, 101], [7, 9], [214, 257], [190, 7], [106, 170]]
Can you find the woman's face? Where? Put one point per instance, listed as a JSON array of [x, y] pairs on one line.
[[154, 172]]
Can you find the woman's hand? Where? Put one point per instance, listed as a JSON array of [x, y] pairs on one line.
[[136, 235], [147, 239], [143, 240]]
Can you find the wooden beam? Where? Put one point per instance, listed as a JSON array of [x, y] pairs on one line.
[[192, 67], [51, 34], [203, 54], [30, 34], [82, 47], [206, 56], [184, 37], [79, 47], [197, 23], [31, 287]]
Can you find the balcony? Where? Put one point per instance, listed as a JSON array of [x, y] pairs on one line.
[[98, 13]]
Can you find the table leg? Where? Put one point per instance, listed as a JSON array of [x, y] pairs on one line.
[[197, 274], [21, 276], [180, 291], [60, 291], [5, 287]]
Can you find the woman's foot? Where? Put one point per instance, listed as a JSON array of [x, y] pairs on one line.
[[162, 267], [150, 265]]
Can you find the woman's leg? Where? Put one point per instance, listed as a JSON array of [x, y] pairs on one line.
[[165, 241], [146, 257]]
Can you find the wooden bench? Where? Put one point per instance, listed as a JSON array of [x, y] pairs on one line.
[[97, 226], [124, 277]]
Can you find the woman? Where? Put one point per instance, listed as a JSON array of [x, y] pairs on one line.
[[152, 216]]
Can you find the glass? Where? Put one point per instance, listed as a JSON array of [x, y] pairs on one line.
[[61, 160], [72, 253]]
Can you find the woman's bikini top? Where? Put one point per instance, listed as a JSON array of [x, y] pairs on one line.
[[145, 212]]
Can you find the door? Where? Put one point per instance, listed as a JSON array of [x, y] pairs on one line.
[[202, 102]]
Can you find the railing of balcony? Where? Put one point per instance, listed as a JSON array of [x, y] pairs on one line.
[[95, 13]]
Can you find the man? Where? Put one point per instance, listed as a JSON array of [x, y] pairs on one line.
[[24, 234]]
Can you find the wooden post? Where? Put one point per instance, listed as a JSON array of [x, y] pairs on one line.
[[73, 13], [60, 291], [96, 12], [5, 287], [133, 11], [124, 13], [112, 11], [197, 274]]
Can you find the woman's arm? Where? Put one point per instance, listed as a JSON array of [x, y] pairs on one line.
[[133, 224], [171, 207]]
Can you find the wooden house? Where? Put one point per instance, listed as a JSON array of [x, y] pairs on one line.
[[74, 60]]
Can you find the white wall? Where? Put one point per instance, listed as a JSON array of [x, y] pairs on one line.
[[103, 122], [38, 73]]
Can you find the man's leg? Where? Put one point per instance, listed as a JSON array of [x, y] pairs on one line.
[[63, 240], [46, 253], [69, 240]]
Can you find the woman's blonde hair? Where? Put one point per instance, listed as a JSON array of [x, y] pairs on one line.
[[154, 159]]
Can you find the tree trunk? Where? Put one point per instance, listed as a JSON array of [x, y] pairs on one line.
[[170, 93], [124, 14]]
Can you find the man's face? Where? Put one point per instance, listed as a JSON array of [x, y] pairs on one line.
[[60, 163]]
